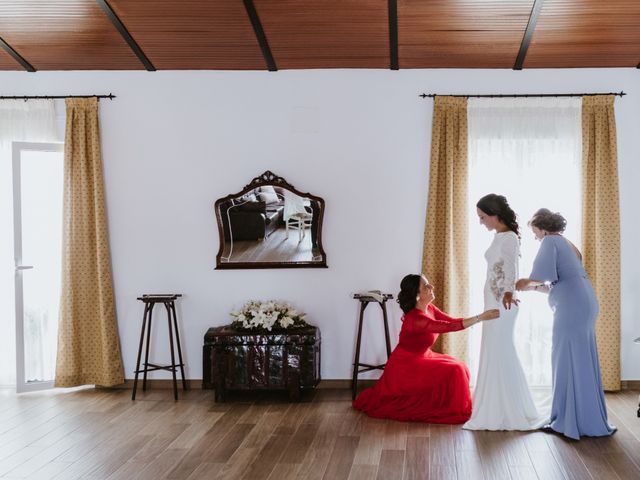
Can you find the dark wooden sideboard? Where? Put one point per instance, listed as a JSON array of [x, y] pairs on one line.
[[279, 360]]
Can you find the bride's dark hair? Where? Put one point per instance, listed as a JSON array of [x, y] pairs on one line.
[[493, 204], [409, 288]]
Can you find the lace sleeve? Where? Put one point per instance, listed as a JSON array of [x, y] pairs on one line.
[[441, 322], [509, 251], [432, 321]]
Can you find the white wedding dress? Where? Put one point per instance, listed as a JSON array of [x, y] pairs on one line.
[[502, 399]]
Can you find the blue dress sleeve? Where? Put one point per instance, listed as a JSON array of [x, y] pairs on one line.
[[545, 265]]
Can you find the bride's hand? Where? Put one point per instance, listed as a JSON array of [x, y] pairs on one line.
[[508, 300]]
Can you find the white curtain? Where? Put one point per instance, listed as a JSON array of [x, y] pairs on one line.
[[30, 121], [529, 150]]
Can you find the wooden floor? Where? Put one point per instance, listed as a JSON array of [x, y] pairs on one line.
[[103, 434]]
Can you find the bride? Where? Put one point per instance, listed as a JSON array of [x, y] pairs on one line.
[[502, 400]]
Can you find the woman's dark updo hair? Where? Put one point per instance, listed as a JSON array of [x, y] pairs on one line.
[[493, 204], [409, 288], [545, 219]]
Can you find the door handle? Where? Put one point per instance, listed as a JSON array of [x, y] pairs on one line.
[[23, 267]]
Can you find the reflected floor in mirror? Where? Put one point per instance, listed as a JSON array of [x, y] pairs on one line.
[[275, 248]]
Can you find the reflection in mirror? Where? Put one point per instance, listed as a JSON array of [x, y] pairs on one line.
[[270, 224]]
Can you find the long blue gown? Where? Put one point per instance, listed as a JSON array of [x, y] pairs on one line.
[[578, 406]]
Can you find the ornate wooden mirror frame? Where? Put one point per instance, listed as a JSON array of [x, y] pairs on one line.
[[318, 255]]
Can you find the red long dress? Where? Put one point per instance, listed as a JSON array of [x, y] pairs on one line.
[[418, 384]]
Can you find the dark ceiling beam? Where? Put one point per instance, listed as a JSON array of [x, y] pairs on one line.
[[260, 36], [126, 35], [393, 35], [16, 56], [528, 33]]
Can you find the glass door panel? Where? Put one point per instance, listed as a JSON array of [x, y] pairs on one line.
[[38, 189]]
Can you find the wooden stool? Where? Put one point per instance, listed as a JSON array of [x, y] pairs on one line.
[[366, 298], [149, 302]]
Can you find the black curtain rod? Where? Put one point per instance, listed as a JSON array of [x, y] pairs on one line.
[[526, 95], [111, 96]]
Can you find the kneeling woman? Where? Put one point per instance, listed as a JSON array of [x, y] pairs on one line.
[[419, 384]]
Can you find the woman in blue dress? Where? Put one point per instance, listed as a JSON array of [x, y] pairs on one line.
[[578, 406]]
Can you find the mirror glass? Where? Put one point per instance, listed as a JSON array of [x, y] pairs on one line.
[[270, 224]]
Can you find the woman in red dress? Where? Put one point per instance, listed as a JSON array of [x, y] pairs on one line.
[[419, 384]]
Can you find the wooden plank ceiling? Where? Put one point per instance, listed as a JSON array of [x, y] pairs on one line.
[[298, 34], [586, 33]]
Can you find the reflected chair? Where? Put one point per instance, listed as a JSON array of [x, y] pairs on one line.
[[296, 216]]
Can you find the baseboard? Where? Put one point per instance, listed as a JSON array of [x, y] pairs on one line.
[[343, 383], [196, 383], [630, 384], [193, 384]]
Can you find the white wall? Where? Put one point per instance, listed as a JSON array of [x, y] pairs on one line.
[[174, 142]]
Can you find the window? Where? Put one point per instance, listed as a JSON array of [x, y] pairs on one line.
[[528, 150]]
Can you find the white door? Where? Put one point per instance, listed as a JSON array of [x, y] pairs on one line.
[[37, 217]]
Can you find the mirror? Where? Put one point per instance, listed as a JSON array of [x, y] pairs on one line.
[[270, 224]]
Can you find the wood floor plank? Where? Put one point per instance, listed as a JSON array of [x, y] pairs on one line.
[[416, 460], [623, 466], [46, 455], [319, 453], [207, 471], [208, 442], [395, 436], [118, 456], [363, 472], [14, 461], [265, 427], [342, 456], [624, 439], [492, 455], [160, 442], [371, 442], [522, 472], [418, 429], [464, 439], [49, 471], [545, 465], [161, 465], [596, 459], [567, 458], [442, 472], [391, 465], [285, 471], [515, 450], [238, 464], [625, 409], [300, 442], [128, 471], [229, 443], [441, 446], [267, 459], [468, 465]]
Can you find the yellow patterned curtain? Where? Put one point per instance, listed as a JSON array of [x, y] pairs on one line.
[[601, 227], [444, 260], [88, 345]]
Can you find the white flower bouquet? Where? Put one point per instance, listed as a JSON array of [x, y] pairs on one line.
[[269, 315]]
